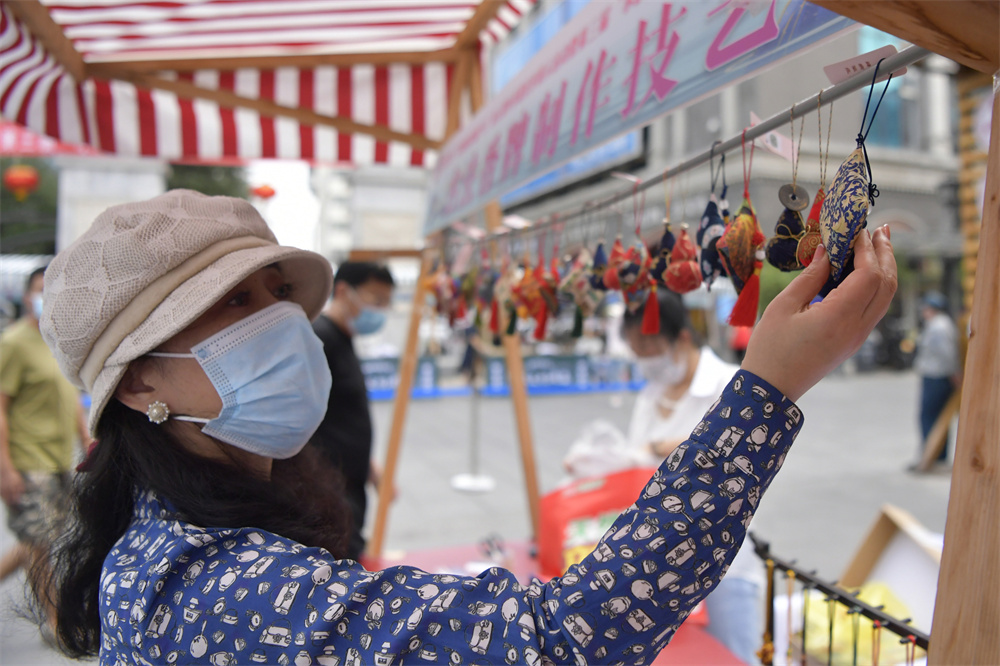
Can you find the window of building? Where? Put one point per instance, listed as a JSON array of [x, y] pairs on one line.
[[899, 122]]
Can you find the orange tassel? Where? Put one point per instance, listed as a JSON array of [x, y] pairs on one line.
[[745, 311], [651, 315]]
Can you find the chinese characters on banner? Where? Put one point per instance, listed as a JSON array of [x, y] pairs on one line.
[[618, 65]]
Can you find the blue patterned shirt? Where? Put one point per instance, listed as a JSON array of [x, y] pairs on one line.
[[173, 592]]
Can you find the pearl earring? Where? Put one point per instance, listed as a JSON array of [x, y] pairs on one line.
[[157, 412]]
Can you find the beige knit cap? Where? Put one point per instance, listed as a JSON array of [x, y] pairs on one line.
[[143, 271]]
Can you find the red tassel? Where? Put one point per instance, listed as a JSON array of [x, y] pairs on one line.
[[540, 323], [651, 316], [745, 311], [611, 280], [495, 316]]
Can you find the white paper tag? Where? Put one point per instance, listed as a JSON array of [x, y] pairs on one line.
[[845, 69], [774, 141]]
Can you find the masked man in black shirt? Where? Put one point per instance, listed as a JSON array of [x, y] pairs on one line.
[[362, 293]]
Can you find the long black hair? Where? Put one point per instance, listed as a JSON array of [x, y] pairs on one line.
[[302, 500]]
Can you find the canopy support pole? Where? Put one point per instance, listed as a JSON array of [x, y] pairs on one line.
[[967, 609], [408, 365], [519, 398], [407, 371]]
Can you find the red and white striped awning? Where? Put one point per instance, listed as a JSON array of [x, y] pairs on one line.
[[351, 81]]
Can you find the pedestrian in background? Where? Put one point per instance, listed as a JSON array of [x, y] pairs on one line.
[[937, 364], [40, 420], [362, 292]]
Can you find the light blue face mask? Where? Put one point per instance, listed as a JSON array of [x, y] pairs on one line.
[[273, 378], [36, 306], [369, 321]]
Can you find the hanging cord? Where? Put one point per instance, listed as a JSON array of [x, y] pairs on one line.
[[824, 156], [638, 208], [855, 614], [796, 149], [910, 645], [766, 652], [557, 233], [684, 201], [790, 577], [668, 196], [722, 167], [747, 168], [831, 607], [876, 641], [716, 171], [805, 621], [863, 133]]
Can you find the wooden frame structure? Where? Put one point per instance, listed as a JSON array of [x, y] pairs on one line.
[[967, 614], [172, 71], [966, 619], [468, 78], [967, 611]]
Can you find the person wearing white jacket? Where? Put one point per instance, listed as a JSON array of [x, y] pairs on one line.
[[683, 379]]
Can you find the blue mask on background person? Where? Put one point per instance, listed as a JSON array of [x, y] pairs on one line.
[[369, 321], [36, 306], [273, 378]]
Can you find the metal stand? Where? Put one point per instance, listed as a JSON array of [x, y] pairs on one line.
[[473, 482]]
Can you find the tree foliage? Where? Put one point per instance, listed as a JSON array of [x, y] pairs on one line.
[[212, 180], [29, 226]]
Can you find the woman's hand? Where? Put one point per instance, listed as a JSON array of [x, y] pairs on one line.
[[796, 342]]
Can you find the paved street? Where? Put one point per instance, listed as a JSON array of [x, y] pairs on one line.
[[860, 433]]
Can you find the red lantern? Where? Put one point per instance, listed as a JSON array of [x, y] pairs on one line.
[[264, 192], [21, 179]]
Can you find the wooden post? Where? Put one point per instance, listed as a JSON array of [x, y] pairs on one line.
[[459, 84], [519, 396], [407, 370], [967, 609], [938, 436], [408, 366]]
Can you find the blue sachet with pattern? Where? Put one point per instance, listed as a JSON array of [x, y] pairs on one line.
[[845, 212]]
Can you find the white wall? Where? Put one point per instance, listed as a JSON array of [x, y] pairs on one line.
[[89, 185]]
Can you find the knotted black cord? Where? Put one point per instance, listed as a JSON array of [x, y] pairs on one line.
[[863, 133]]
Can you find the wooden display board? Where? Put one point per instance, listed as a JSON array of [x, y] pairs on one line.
[[901, 553]]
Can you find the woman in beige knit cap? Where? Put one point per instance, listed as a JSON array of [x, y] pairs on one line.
[[203, 535]]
